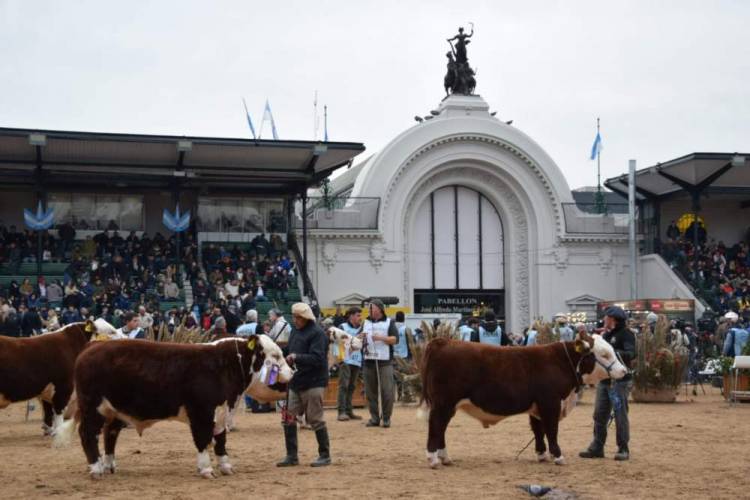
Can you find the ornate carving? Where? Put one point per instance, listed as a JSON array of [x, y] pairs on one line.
[[561, 258], [377, 255], [329, 255]]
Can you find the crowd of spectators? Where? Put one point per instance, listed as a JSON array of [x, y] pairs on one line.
[[719, 273], [109, 274]]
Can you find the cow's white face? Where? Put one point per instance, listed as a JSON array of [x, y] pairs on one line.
[[274, 354], [607, 364], [339, 336], [104, 330]]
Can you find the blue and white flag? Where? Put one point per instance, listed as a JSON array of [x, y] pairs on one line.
[[249, 121], [325, 123], [41, 220], [267, 116], [176, 223], [597, 147]]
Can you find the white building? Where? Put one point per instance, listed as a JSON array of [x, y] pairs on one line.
[[464, 207]]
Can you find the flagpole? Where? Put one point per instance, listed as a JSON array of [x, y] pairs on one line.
[[601, 207], [325, 123]]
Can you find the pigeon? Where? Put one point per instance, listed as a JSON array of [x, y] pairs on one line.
[[535, 490]]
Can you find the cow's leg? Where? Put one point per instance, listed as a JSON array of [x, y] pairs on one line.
[[222, 418], [220, 449], [48, 423], [111, 432], [202, 427], [436, 450], [550, 415], [59, 402], [538, 429], [89, 429]]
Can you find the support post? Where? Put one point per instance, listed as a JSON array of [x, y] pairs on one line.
[[304, 243], [631, 236]]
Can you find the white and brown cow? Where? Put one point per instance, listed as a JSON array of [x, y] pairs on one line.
[[42, 367], [140, 383], [492, 383], [343, 342]]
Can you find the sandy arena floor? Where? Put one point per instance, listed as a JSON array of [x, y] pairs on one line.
[[692, 449]]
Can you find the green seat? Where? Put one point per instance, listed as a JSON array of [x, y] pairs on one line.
[[165, 306]]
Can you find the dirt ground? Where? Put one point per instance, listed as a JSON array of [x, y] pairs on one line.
[[696, 448]]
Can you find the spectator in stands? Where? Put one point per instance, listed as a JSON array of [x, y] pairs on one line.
[[145, 319], [250, 327], [219, 329], [280, 328], [67, 235], [673, 231], [171, 290], [55, 292], [31, 322], [260, 295], [130, 327], [71, 315], [52, 323]]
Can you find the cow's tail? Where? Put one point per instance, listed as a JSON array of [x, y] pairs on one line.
[[64, 434], [425, 401]]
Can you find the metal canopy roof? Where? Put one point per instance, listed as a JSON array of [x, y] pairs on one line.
[[71, 160], [694, 172]]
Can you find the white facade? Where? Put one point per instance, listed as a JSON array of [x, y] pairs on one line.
[[542, 268]]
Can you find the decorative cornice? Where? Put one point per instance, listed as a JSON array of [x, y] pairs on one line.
[[555, 204], [326, 234]]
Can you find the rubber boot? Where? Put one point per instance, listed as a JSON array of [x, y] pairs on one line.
[[290, 439], [324, 449]]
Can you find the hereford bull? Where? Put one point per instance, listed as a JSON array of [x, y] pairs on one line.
[[42, 367], [492, 383], [140, 383]]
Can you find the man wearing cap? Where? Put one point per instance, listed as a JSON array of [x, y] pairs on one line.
[[349, 369], [563, 331], [380, 335], [612, 395], [307, 352]]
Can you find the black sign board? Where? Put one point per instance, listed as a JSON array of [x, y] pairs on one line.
[[465, 302]]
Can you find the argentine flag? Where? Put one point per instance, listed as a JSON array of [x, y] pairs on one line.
[[597, 147], [267, 116]]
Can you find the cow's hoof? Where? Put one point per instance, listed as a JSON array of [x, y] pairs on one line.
[[433, 459], [224, 466], [434, 464], [208, 473], [96, 470], [109, 464], [48, 431], [560, 460], [444, 458], [542, 457]]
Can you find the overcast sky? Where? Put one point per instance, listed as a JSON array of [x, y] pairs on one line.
[[666, 77]]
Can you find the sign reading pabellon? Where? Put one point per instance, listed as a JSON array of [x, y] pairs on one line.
[[464, 302]]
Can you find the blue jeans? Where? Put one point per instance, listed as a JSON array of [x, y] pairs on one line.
[[609, 397]]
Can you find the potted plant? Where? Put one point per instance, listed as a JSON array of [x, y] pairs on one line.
[[659, 370]]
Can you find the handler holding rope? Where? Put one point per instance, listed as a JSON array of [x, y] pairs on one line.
[[380, 334], [612, 395], [307, 351]]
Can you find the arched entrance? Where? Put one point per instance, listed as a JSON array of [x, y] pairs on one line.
[[456, 252]]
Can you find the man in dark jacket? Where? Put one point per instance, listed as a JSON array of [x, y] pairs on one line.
[[612, 395], [307, 351]]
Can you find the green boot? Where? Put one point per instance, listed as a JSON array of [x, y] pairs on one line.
[[324, 449], [290, 439]]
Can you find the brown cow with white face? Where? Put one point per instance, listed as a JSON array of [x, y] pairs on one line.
[[42, 367], [493, 383], [140, 383]]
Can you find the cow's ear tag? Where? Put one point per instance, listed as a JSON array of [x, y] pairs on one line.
[[251, 344], [579, 347], [89, 327]]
